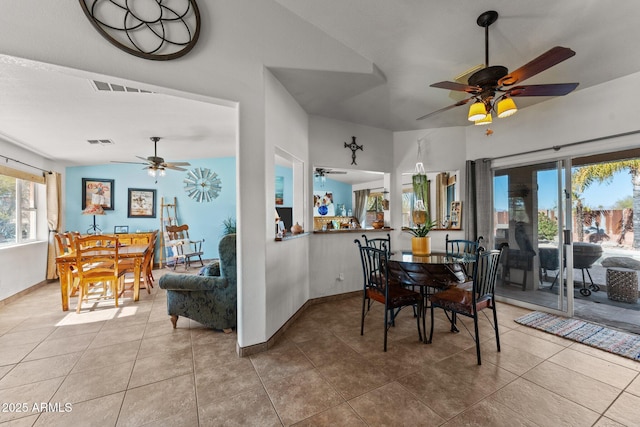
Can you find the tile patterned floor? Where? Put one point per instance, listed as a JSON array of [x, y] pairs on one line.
[[128, 367]]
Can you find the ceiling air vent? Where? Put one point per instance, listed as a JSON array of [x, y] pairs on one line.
[[100, 141], [112, 87]]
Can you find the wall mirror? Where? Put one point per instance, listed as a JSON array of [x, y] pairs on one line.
[[443, 203], [289, 192], [349, 198]]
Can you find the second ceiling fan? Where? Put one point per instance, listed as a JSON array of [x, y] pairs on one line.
[[156, 165], [493, 86]]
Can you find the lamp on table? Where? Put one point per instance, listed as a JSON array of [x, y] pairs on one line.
[[93, 210]]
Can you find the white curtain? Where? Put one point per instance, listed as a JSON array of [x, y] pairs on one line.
[[360, 208], [53, 188]]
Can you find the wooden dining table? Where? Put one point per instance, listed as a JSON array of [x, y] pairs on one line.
[[67, 260], [428, 273]]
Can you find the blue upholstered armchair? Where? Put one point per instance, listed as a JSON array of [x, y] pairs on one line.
[[210, 300]]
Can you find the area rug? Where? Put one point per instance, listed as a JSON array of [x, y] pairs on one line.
[[622, 343]]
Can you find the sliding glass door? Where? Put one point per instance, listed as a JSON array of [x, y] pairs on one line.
[[532, 215]]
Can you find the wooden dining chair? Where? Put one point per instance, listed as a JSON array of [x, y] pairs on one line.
[[457, 300], [376, 287], [97, 267], [127, 266], [64, 245]]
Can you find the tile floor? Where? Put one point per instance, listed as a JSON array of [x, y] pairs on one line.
[[128, 367]]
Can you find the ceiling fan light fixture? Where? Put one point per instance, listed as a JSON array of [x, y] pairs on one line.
[[477, 111], [154, 171], [486, 121], [506, 107]]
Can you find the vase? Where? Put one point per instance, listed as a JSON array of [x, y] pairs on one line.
[[379, 222], [421, 245], [296, 229]]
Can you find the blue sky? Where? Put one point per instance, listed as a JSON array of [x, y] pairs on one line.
[[596, 196]]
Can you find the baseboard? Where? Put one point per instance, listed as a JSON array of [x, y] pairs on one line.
[[24, 292], [262, 347]]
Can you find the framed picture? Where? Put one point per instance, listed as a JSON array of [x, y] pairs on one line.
[[120, 229], [97, 192], [279, 190], [142, 203], [455, 219]]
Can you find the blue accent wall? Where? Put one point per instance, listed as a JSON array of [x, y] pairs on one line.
[[287, 174], [342, 193], [204, 219]]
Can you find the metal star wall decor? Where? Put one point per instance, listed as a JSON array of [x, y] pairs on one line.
[[154, 30], [353, 147]]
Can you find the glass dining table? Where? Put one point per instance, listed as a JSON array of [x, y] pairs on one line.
[[428, 274]]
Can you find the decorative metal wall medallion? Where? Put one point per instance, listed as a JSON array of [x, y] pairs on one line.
[[150, 29], [202, 184]]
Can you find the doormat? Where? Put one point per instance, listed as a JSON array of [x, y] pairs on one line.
[[622, 343]]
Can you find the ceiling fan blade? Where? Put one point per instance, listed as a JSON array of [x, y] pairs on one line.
[[457, 104], [133, 163], [143, 158], [336, 172], [173, 166], [553, 56], [557, 89], [457, 86], [179, 163]]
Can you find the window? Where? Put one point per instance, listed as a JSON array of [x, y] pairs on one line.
[[407, 204], [17, 210], [374, 204]]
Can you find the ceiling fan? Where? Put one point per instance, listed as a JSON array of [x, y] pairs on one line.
[[156, 165], [492, 87], [320, 172]]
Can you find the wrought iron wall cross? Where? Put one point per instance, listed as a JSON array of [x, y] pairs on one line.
[[353, 147]]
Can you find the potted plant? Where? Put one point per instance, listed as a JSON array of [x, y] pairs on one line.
[[421, 242]]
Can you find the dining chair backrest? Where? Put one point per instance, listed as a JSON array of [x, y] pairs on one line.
[[463, 248], [382, 243], [458, 247], [374, 268], [63, 243], [485, 274]]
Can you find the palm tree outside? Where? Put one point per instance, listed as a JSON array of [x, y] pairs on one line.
[[584, 176]]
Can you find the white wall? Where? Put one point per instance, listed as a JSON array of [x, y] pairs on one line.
[[332, 254], [442, 150], [237, 40], [25, 265], [287, 287]]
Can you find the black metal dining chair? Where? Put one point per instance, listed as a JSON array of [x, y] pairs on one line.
[[378, 242], [463, 248], [377, 287], [469, 303]]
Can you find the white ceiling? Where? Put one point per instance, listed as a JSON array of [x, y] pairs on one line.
[[410, 43], [417, 43], [54, 113]]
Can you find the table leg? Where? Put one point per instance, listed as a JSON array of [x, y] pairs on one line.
[[425, 306], [65, 280]]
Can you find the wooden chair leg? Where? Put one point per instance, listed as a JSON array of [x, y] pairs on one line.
[[174, 320], [81, 290]]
